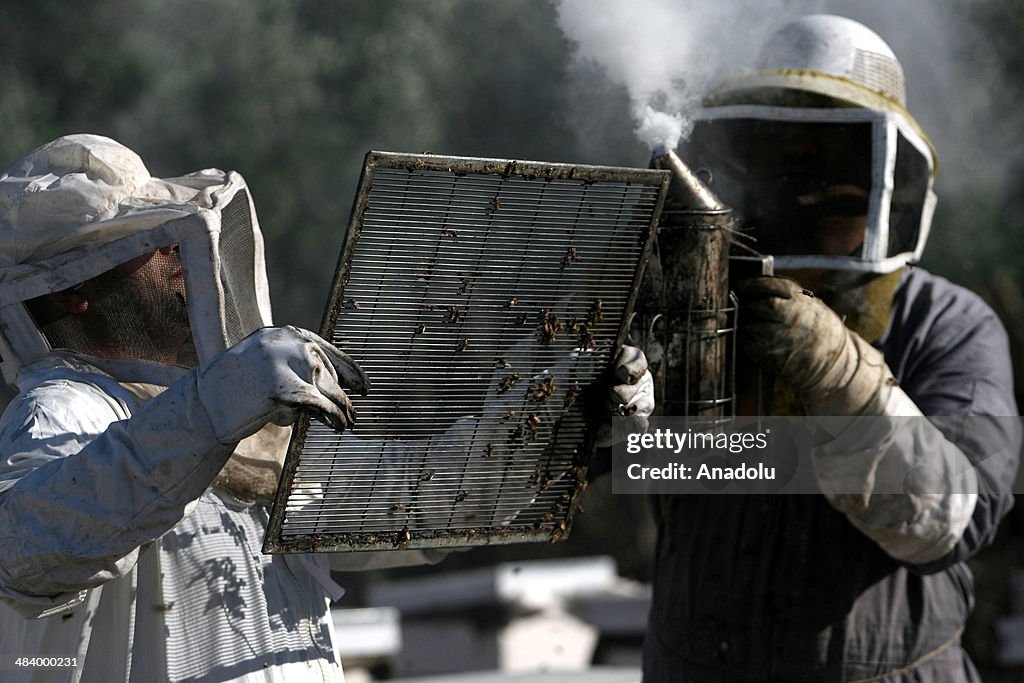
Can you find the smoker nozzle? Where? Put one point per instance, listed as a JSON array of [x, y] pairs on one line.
[[686, 192]]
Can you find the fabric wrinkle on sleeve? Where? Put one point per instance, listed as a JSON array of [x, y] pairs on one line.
[[952, 358], [77, 508]]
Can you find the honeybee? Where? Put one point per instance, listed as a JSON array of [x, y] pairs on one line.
[[540, 390], [531, 423], [587, 340], [572, 394], [508, 381], [550, 326], [571, 256]]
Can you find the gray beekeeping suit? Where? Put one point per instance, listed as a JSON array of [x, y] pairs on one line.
[[833, 177]]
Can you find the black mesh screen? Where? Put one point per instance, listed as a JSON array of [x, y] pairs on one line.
[[237, 275], [910, 185], [136, 311], [796, 184]]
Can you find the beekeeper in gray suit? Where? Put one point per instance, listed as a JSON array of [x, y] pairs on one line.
[[831, 174]]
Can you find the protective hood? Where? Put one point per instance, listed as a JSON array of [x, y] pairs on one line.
[[819, 129], [883, 171], [83, 205]]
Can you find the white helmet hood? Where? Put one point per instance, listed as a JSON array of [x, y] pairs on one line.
[[823, 70], [81, 205]]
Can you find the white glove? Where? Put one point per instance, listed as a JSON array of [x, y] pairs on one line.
[[631, 397], [634, 393], [270, 375]]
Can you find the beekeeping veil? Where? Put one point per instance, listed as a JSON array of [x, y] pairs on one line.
[[820, 129], [82, 212]]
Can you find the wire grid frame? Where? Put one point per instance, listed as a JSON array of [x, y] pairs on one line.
[[706, 334], [485, 299], [687, 317]]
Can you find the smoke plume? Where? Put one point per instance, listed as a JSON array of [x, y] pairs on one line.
[[665, 54]]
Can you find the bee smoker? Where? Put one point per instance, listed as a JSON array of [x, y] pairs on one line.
[[684, 303]]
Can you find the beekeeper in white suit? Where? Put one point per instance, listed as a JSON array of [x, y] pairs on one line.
[[134, 320]]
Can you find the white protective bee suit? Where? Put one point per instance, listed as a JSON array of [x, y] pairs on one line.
[[116, 549], [127, 543]]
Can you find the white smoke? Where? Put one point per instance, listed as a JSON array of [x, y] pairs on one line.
[[666, 54], [949, 66], [659, 130]]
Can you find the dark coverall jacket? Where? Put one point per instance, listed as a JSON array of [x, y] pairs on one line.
[[785, 588]]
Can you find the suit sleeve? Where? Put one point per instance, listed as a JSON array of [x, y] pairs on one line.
[[965, 386], [83, 486]]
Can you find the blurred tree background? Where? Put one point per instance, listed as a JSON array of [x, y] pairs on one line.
[[293, 93]]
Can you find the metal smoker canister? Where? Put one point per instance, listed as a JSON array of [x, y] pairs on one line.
[[688, 317]]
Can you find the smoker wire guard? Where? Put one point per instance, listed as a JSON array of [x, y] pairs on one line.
[[559, 525]]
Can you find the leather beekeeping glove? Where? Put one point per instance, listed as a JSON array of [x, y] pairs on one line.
[[630, 394], [270, 375], [897, 479], [797, 337]]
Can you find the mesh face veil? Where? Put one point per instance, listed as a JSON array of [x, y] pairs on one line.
[[135, 311], [816, 150], [171, 270]]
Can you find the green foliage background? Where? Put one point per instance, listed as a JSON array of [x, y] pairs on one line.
[[293, 93]]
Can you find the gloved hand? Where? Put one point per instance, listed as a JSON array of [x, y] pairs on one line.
[[271, 374], [869, 470], [631, 397], [790, 333]]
